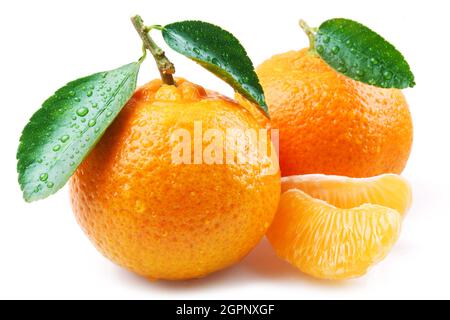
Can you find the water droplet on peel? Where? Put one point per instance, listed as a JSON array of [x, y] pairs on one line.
[[196, 50], [92, 122], [108, 89], [64, 138], [335, 50], [39, 160], [72, 164], [105, 74], [348, 42], [94, 105], [77, 99], [320, 49], [359, 72], [74, 118], [56, 148], [326, 39], [91, 87], [82, 111], [71, 93], [374, 61], [89, 93], [97, 130], [50, 184], [109, 113], [43, 177], [387, 75], [342, 69]]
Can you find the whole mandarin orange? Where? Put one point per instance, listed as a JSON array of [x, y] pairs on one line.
[[167, 220], [331, 124]]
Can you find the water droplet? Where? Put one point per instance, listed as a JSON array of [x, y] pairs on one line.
[[109, 113], [82, 111], [64, 138], [91, 87], [83, 120], [43, 177], [94, 105], [56, 148], [359, 72], [89, 93], [335, 50], [108, 89], [215, 61], [326, 39], [372, 81], [342, 69], [373, 61], [387, 75], [352, 50], [77, 99], [196, 50], [320, 49], [72, 164], [105, 74], [71, 93], [97, 130], [50, 184], [92, 122], [39, 160], [348, 42], [74, 118]]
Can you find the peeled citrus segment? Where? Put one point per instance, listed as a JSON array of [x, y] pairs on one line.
[[389, 190], [331, 243]]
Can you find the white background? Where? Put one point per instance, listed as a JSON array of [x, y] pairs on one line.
[[44, 44]]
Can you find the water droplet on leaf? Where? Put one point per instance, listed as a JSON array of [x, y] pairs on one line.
[[387, 75], [64, 138], [56, 148], [82, 111], [43, 177]]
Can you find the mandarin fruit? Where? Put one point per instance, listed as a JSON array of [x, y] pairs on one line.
[[331, 124], [167, 220], [329, 242], [388, 190]]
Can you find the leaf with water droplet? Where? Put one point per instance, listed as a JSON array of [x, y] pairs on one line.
[[375, 61], [218, 51], [65, 144]]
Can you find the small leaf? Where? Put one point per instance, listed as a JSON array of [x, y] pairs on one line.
[[361, 54], [67, 126], [218, 51]]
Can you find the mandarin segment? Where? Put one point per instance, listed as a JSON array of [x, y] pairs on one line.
[[331, 124], [389, 190], [331, 243], [165, 220]]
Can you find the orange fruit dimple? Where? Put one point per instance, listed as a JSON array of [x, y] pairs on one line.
[[331, 124], [331, 243], [167, 220], [388, 190]]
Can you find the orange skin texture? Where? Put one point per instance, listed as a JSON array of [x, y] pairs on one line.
[[172, 221], [331, 124]]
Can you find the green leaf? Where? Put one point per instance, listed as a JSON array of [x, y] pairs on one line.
[[218, 51], [67, 126], [361, 54]]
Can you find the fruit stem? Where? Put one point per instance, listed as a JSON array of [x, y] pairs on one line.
[[310, 32], [165, 67]]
